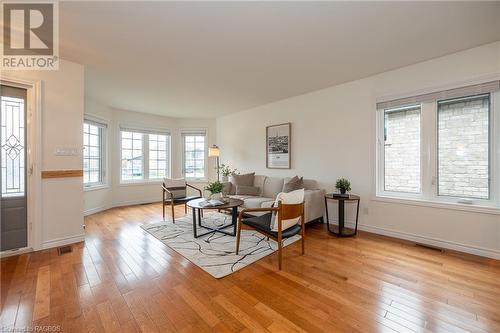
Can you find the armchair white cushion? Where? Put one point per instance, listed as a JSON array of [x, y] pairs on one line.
[[294, 197]]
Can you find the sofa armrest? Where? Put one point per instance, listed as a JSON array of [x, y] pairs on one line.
[[314, 204]]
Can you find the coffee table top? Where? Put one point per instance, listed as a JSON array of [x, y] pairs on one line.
[[232, 203]]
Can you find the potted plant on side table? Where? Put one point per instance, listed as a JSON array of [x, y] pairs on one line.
[[343, 185]]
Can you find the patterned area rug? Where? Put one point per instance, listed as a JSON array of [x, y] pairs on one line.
[[215, 253]]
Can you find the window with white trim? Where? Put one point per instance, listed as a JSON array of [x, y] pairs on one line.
[[441, 147], [94, 138], [145, 155], [464, 147], [402, 149], [194, 143], [158, 156]]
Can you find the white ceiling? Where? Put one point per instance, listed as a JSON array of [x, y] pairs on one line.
[[202, 59]]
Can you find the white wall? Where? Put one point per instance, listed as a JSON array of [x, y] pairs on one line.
[[62, 119], [117, 194], [333, 135]]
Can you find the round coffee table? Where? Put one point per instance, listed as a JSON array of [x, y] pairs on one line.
[[232, 205]]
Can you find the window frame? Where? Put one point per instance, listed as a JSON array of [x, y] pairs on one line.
[[381, 164], [429, 161], [145, 132], [195, 132], [103, 128], [490, 150]]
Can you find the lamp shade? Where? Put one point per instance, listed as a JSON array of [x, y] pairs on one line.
[[213, 151]]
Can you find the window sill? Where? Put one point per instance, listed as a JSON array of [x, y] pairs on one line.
[[196, 181], [438, 204], [141, 182], [95, 187]]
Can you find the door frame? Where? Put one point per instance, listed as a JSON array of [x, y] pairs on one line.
[[33, 160]]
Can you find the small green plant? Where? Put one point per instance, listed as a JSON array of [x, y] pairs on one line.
[[226, 170], [215, 187], [343, 185]]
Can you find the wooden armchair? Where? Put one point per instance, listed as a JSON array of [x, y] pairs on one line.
[[174, 192], [262, 224]]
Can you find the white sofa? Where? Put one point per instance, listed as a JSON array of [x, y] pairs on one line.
[[314, 201]]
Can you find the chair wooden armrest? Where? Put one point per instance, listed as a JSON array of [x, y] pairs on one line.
[[194, 188], [247, 210]]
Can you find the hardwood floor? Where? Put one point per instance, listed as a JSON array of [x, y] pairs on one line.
[[124, 280]]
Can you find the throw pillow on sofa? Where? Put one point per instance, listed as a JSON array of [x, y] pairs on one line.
[[241, 180], [293, 184], [294, 197], [247, 190]]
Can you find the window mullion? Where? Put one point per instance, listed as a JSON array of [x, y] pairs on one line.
[[145, 155], [429, 150]]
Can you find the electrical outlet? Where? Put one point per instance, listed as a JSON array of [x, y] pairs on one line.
[[366, 211]]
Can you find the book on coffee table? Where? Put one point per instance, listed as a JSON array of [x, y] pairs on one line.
[[211, 203]]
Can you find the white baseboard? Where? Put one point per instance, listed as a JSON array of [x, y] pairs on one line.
[[63, 241], [16, 252], [95, 210], [119, 204], [435, 242]]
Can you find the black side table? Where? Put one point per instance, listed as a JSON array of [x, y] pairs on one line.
[[342, 231]]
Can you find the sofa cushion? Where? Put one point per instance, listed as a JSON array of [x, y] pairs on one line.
[[293, 184], [240, 197], [272, 186], [259, 182], [255, 202], [245, 180], [311, 184], [247, 190]]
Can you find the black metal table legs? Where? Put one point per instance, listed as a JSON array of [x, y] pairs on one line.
[[197, 216]]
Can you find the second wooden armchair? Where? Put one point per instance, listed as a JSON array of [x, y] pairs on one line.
[[262, 224]]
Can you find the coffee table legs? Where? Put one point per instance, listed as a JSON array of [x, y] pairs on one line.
[[234, 217], [194, 222]]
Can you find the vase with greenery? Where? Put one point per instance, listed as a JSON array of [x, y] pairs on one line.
[[226, 171], [215, 189], [343, 185]]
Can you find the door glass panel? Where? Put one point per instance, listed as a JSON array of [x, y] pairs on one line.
[[12, 146]]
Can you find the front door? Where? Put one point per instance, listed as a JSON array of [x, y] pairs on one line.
[[13, 203]]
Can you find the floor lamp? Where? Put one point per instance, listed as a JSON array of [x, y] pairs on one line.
[[214, 151]]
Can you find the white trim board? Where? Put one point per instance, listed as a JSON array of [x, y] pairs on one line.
[[435, 242], [119, 204], [10, 253], [63, 241]]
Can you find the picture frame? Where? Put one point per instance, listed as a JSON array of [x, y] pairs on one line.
[[278, 146]]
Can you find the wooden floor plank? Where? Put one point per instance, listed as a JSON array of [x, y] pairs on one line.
[[42, 298]]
